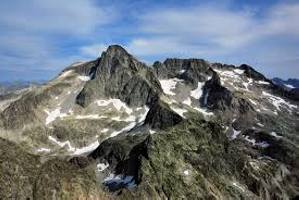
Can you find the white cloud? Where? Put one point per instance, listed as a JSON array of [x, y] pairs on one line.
[[283, 19], [54, 16], [166, 46], [223, 34], [93, 50], [50, 34], [169, 30], [44, 35], [218, 26]]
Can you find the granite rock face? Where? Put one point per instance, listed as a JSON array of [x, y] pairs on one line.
[[119, 75]]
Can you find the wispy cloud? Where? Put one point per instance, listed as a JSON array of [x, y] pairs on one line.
[[220, 32], [93, 50], [50, 34], [45, 35], [54, 16], [212, 27]]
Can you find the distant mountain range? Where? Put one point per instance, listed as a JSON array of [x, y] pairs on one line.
[[288, 84], [7, 87]]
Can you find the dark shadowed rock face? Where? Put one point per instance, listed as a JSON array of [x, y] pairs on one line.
[[295, 93], [119, 75], [160, 116], [252, 73], [124, 156], [215, 96], [191, 70]]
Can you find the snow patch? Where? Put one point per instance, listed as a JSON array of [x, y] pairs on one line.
[[84, 78], [187, 101], [65, 74], [114, 180], [253, 102], [102, 166], [87, 149], [198, 91], [234, 75], [117, 103], [263, 82], [258, 144], [239, 186], [182, 71], [141, 118], [52, 115], [239, 71], [278, 101], [76, 151], [62, 144], [203, 111], [105, 130], [274, 134], [43, 150], [93, 116], [179, 111], [235, 134], [289, 86], [186, 172], [168, 85]]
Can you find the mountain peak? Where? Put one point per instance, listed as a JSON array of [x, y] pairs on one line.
[[116, 50]]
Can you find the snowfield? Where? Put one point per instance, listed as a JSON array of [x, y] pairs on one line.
[[169, 85]]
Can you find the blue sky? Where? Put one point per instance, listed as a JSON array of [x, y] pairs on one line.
[[40, 38]]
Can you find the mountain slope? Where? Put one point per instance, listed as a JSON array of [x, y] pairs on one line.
[[288, 84], [181, 129]]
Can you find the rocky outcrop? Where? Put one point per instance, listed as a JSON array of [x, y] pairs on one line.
[[119, 75], [252, 73], [24, 176], [215, 96], [160, 116], [124, 156], [191, 70], [295, 94], [87, 69]]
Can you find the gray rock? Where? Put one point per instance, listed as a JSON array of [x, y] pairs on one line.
[[160, 116], [119, 75]]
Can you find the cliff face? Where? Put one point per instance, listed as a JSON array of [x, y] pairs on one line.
[[119, 75], [114, 128]]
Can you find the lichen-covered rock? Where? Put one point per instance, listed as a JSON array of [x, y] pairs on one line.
[[25, 176]]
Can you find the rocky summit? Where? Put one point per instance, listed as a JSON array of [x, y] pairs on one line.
[[116, 128]]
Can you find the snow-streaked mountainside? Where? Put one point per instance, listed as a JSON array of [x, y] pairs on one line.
[[288, 84], [115, 128]]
